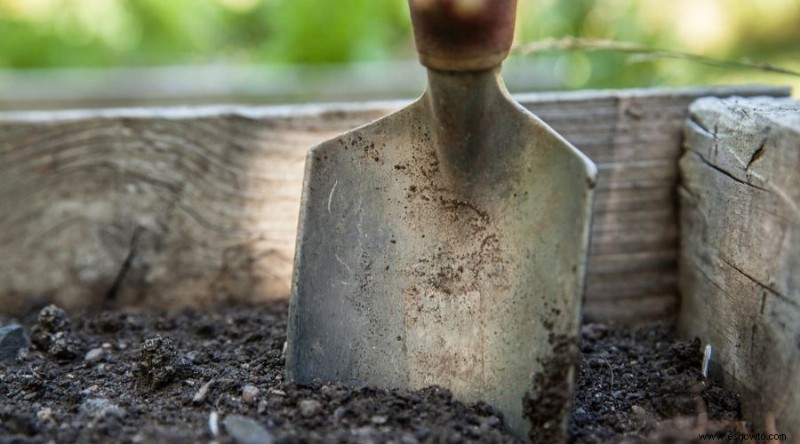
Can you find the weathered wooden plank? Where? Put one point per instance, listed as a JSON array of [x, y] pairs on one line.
[[645, 218], [199, 205], [634, 240], [641, 309], [640, 261], [635, 140], [163, 207], [624, 199], [648, 283], [740, 250]]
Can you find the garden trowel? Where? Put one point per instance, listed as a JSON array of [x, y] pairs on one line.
[[446, 243]]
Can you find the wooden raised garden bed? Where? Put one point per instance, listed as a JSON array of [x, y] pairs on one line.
[[696, 217]]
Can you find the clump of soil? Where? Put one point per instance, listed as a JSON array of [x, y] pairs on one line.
[[548, 402], [161, 363], [192, 376], [52, 334]]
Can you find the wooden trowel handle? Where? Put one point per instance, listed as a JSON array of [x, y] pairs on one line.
[[463, 35]]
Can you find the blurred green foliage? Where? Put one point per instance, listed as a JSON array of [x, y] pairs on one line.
[[102, 33], [60, 33]]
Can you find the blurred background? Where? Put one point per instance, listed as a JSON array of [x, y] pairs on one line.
[[59, 53]]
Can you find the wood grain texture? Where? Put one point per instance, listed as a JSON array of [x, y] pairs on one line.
[[167, 207], [635, 139], [740, 250]]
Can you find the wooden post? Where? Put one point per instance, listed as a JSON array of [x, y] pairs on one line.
[[168, 207], [740, 250]]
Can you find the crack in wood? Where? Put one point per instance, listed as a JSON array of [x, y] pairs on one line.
[[699, 268], [739, 258], [771, 290], [698, 126], [113, 291], [757, 154], [202, 179], [728, 174], [687, 193]]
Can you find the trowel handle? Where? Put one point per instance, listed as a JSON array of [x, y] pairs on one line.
[[463, 35]]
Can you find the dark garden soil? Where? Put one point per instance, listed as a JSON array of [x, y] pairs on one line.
[[192, 376]]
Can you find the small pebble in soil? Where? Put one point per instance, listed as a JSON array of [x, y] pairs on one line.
[[244, 430], [99, 408], [45, 414], [201, 395], [309, 407], [13, 338], [94, 355], [249, 394]]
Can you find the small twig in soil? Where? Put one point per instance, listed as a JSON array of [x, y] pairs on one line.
[[611, 371], [644, 52]]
